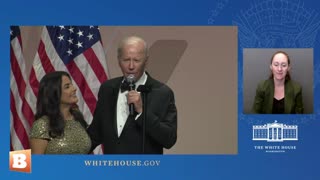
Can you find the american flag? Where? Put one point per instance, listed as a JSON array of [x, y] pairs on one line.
[[19, 108], [77, 50]]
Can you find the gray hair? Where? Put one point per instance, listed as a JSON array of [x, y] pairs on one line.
[[132, 40]]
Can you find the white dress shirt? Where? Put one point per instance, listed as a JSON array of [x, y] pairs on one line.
[[123, 107]]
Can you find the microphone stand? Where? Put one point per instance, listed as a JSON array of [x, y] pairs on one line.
[[144, 90], [144, 101]]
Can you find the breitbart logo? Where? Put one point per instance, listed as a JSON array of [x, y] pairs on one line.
[[20, 161]]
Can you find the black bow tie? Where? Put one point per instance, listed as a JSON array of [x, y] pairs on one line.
[[125, 86]]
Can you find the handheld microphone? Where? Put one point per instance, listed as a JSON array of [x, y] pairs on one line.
[[131, 80]]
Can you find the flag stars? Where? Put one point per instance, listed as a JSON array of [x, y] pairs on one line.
[[90, 36], [61, 27], [79, 44], [69, 52], [71, 30], [80, 33], [11, 32], [70, 40], [60, 37]]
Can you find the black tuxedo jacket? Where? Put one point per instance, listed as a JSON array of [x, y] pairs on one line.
[[161, 122]]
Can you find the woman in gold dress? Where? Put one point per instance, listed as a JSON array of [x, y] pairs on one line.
[[59, 127]]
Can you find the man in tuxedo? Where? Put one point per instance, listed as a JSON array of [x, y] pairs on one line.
[[152, 125]]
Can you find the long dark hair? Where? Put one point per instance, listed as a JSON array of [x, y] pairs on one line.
[[48, 103], [288, 77]]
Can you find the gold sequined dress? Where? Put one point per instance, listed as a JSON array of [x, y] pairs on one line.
[[75, 139]]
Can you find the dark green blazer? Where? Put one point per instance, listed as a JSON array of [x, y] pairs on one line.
[[263, 100]]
